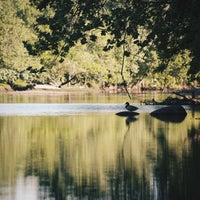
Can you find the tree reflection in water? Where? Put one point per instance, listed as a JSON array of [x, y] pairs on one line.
[[97, 156]]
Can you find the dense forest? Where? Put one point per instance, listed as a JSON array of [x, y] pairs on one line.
[[104, 43]]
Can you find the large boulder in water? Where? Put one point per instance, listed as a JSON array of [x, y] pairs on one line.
[[173, 113]]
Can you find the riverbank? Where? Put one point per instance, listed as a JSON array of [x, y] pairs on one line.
[[180, 97], [46, 89]]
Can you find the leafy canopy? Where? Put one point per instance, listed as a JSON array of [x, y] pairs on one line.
[[171, 25]]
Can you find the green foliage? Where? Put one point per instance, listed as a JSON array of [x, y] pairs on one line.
[[8, 75], [12, 33], [176, 71], [86, 41], [20, 82], [175, 28], [92, 62], [167, 24]]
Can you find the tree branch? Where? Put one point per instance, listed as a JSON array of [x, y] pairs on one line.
[[122, 70]]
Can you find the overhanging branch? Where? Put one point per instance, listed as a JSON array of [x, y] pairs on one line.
[[122, 71]]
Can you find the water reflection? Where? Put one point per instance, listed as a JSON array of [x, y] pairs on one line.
[[171, 118], [96, 156], [76, 97], [129, 120]]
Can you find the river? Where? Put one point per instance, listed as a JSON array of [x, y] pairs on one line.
[[76, 147]]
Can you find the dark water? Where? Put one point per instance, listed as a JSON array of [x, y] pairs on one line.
[[84, 151]]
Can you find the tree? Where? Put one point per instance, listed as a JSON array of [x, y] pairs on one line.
[[16, 18], [175, 27], [13, 32], [170, 25], [175, 73]]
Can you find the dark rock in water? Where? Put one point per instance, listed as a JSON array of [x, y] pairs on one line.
[[127, 113], [174, 113], [170, 110]]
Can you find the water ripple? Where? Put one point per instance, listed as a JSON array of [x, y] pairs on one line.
[[56, 109], [24, 109]]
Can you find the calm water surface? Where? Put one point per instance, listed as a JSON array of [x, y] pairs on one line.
[[82, 150]]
